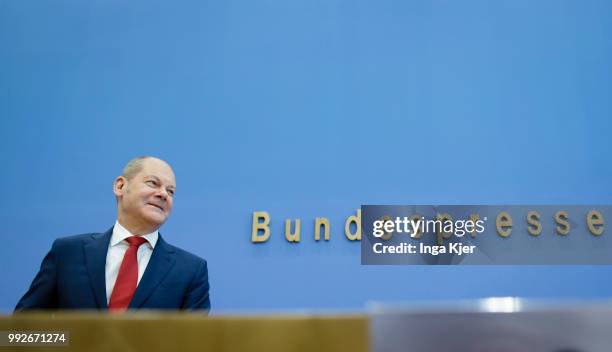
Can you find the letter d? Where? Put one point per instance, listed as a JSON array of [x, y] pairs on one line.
[[347, 227]]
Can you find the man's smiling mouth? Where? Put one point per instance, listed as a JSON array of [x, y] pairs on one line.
[[156, 206]]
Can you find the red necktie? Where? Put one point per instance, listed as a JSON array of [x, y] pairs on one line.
[[127, 280]]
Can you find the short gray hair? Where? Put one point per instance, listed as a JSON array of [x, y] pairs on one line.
[[133, 167]]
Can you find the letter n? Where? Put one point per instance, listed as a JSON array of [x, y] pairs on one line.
[[318, 223]]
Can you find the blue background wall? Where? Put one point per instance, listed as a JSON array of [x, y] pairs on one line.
[[304, 109]]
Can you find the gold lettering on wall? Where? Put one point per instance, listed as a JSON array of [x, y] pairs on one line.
[[563, 226], [295, 236], [443, 229], [260, 225], [595, 222], [318, 223], [534, 226], [503, 224], [347, 227]]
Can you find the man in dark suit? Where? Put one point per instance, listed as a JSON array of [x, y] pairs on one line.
[[130, 266]]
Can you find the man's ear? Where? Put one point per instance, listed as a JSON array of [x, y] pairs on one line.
[[119, 186]]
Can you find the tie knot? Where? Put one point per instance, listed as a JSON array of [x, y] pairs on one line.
[[135, 241]]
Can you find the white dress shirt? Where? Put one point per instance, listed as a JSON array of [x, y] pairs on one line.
[[116, 250]]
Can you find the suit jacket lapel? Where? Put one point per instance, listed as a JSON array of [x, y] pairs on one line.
[[95, 259], [160, 263]]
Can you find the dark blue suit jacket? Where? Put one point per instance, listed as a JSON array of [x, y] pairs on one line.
[[72, 276]]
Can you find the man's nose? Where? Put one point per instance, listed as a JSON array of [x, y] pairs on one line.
[[162, 194]]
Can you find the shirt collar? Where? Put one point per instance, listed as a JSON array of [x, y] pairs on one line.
[[120, 233]]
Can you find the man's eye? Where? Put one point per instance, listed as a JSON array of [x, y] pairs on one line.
[[151, 183], [171, 192]]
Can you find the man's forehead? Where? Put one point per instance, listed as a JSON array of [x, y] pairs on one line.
[[158, 169]]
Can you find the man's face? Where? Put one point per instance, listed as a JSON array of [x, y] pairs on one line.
[[145, 201]]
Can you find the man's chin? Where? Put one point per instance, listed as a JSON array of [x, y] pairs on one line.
[[155, 220]]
